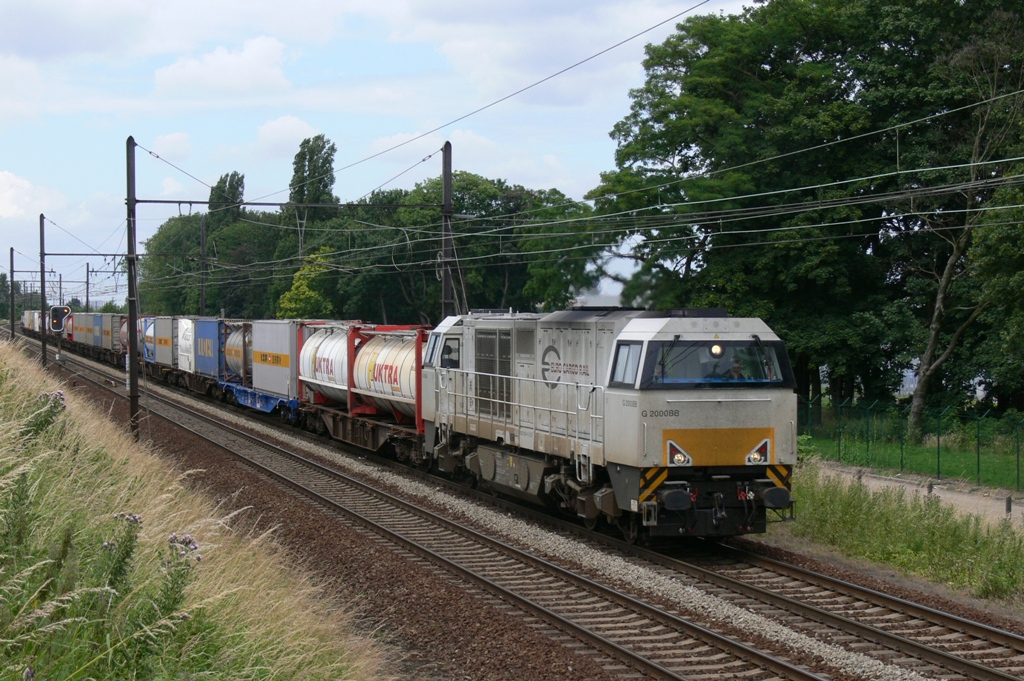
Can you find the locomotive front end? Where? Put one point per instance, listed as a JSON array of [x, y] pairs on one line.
[[708, 437]]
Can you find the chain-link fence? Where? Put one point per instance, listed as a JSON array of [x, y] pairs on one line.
[[951, 443]]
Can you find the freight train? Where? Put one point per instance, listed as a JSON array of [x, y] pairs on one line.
[[664, 424]]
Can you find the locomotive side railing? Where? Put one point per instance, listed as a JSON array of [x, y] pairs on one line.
[[529, 406]]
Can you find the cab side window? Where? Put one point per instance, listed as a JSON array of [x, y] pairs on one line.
[[450, 354], [627, 363]]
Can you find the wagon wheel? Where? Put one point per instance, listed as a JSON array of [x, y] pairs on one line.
[[629, 527]]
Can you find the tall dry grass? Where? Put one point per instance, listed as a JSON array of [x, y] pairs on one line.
[[239, 612]]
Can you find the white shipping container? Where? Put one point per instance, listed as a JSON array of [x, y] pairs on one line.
[[275, 359], [166, 341], [186, 345], [83, 322]]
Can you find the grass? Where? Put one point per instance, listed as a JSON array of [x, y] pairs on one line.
[[914, 533], [109, 569]]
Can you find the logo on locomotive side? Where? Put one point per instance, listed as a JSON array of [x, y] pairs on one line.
[[546, 364], [556, 367]]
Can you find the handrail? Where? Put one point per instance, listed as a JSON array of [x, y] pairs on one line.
[[459, 390]]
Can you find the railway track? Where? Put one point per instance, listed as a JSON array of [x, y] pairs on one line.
[[893, 632], [626, 630], [976, 650]]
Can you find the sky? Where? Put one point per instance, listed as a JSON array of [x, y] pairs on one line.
[[222, 86]]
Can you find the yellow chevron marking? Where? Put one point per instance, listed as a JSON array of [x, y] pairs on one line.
[[650, 480], [781, 476]]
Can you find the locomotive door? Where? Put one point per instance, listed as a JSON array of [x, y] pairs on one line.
[[524, 387], [450, 387]]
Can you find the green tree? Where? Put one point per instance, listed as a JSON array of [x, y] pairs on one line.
[[707, 167], [5, 297], [307, 298], [507, 247], [312, 181], [997, 260], [167, 277], [865, 269], [226, 198]]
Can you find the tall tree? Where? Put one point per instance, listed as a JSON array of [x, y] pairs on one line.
[[226, 198], [975, 70], [167, 276], [707, 165], [312, 182]]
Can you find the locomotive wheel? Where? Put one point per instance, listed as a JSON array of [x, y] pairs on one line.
[[591, 523]]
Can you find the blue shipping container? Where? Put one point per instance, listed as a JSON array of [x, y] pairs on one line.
[[210, 337], [97, 331], [148, 339]]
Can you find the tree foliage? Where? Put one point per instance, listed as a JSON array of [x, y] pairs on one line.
[[376, 259], [308, 298], [825, 166]]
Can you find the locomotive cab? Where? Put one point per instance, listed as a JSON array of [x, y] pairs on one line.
[[707, 440]]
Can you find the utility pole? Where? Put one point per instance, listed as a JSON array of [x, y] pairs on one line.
[[86, 287], [12, 293], [447, 287], [43, 316], [60, 288], [202, 266], [132, 356]]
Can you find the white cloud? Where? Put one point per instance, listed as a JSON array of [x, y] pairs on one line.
[[171, 187], [19, 198], [142, 28], [176, 147], [280, 138], [255, 69]]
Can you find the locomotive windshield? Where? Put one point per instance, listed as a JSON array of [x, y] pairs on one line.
[[671, 365]]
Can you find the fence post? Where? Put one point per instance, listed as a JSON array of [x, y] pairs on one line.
[[1016, 437], [977, 421], [903, 435], [807, 423], [839, 426], [938, 443], [867, 431]]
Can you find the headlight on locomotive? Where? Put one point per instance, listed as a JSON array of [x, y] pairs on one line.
[[760, 455]]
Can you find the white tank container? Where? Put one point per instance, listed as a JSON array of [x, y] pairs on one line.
[[140, 325], [323, 362], [385, 367], [239, 357]]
